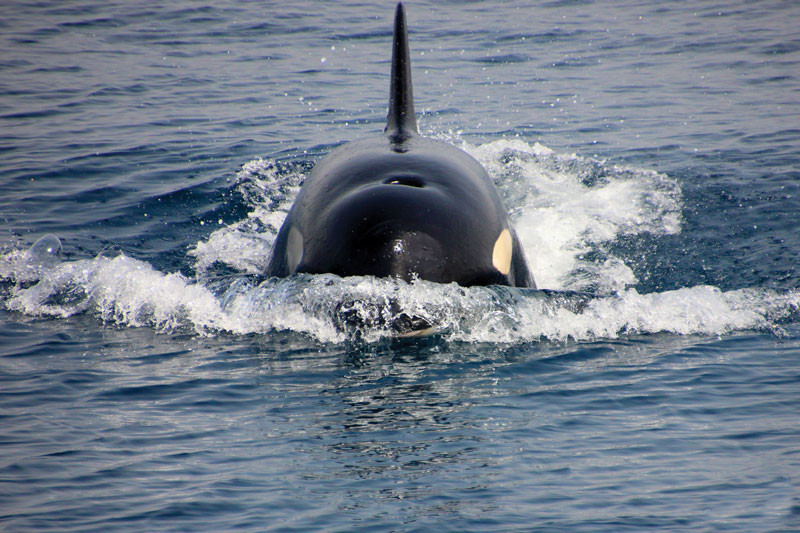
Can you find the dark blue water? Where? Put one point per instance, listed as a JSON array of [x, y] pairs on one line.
[[151, 380]]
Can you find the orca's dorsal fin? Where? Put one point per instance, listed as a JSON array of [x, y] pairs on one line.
[[401, 122]]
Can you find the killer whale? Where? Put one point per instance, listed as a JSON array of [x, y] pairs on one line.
[[400, 205]]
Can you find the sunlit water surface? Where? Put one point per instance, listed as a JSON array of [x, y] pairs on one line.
[[151, 379]]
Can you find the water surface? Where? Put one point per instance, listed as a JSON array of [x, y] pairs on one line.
[[151, 379]]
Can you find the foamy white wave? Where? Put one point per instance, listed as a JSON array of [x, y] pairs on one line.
[[245, 245], [126, 291], [567, 209], [695, 310], [121, 290]]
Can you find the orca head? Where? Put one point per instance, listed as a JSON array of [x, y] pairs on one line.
[[429, 212], [401, 206]]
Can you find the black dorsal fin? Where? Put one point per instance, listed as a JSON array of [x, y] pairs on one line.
[[401, 123]]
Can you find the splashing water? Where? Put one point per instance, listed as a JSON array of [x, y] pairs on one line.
[[245, 245], [567, 210]]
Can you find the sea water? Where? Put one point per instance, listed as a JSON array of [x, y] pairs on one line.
[[152, 379]]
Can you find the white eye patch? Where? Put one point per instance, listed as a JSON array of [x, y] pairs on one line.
[[501, 254]]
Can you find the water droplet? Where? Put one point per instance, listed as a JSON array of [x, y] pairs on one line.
[[46, 251]]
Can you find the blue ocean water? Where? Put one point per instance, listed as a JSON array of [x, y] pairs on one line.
[[152, 380]]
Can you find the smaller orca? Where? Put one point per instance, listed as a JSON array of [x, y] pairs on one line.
[[401, 205]]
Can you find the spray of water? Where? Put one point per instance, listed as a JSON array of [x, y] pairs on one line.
[[567, 211]]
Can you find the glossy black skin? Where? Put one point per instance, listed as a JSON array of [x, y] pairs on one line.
[[413, 208]]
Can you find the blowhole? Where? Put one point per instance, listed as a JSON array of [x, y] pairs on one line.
[[408, 181]]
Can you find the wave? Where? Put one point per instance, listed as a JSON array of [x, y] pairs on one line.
[[568, 211], [126, 291]]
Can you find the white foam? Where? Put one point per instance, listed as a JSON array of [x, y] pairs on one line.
[[126, 291], [565, 207], [695, 310], [245, 245], [121, 290]]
